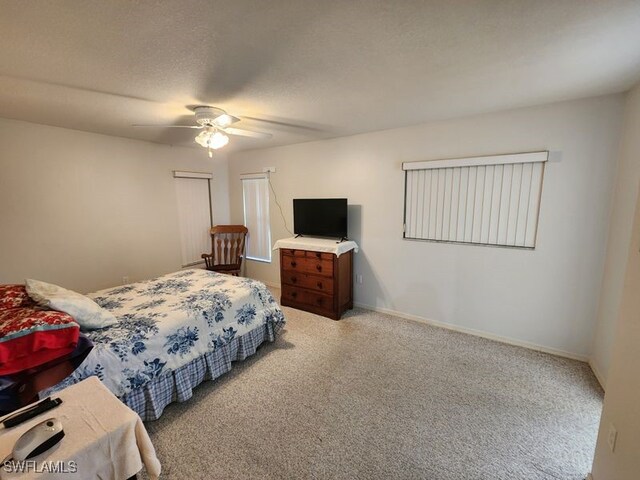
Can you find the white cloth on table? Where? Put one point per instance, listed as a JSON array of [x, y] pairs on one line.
[[103, 437], [314, 244]]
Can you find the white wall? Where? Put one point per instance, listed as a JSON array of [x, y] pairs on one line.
[[83, 210], [626, 192], [547, 297], [622, 399], [617, 340]]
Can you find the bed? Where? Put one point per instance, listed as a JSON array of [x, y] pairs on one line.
[[174, 332]]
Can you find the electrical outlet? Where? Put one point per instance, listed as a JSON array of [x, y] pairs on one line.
[[125, 280], [268, 169], [359, 279], [613, 435]]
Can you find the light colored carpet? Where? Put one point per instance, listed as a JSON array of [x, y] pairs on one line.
[[376, 396]]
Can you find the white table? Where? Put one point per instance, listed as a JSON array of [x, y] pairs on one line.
[[103, 438]]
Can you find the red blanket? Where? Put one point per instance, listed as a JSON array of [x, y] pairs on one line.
[[29, 335]]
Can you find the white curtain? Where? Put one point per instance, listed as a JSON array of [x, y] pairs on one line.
[[255, 193], [194, 211]]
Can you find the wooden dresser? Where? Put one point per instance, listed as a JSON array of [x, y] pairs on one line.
[[317, 282]]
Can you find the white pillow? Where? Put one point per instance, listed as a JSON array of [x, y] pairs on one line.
[[85, 311]]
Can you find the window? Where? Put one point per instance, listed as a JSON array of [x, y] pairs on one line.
[[255, 195], [193, 192], [483, 200]]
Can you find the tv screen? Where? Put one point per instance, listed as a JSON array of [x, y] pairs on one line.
[[321, 217]]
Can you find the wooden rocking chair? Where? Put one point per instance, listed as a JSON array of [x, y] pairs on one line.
[[227, 249]]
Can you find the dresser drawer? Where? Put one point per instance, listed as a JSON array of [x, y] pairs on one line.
[[307, 297], [320, 255], [294, 253], [312, 282], [317, 266]]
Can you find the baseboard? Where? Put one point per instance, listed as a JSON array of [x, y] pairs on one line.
[[477, 333], [597, 374], [471, 331]]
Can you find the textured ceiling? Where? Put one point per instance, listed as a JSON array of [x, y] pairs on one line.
[[304, 70]]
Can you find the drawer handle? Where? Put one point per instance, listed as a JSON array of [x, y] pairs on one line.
[[319, 268], [294, 294], [319, 300], [318, 255], [319, 285], [294, 279], [293, 264]]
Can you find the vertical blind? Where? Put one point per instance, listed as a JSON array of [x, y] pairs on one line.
[[483, 200], [255, 193], [195, 217]]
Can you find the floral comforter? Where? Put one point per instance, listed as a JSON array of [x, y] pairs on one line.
[[169, 321]]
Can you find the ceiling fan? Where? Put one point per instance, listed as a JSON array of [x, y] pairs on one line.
[[215, 124]]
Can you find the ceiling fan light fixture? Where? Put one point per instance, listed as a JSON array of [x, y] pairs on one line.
[[212, 139]]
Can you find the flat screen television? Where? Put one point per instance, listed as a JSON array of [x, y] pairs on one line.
[[320, 217]]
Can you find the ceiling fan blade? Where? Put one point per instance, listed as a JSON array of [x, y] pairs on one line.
[[247, 133], [170, 126]]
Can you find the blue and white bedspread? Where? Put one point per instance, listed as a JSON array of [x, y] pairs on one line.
[[169, 321]]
